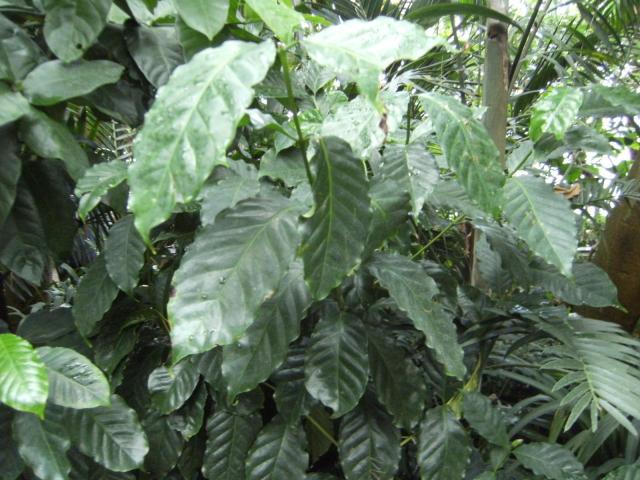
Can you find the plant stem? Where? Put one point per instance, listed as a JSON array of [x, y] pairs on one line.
[[453, 223], [321, 429]]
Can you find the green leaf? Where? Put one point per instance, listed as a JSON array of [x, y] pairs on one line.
[[171, 387], [626, 472], [23, 377], [279, 16], [205, 16], [54, 81], [602, 101], [390, 205], [165, 445], [443, 446], [74, 381], [368, 443], [357, 49], [336, 363], [397, 381], [12, 105], [555, 112], [543, 219], [10, 168], [467, 147], [550, 460], [278, 452], [413, 290], [485, 419], [189, 418], [46, 327], [19, 54], [229, 270], [291, 396], [263, 347], [435, 11], [177, 148], [43, 444], [156, 51], [124, 254], [287, 165], [334, 236], [112, 436], [94, 296], [96, 182], [50, 139], [70, 28], [11, 464], [229, 437], [123, 101], [415, 170]]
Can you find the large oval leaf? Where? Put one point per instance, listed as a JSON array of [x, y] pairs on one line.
[[190, 125], [228, 272], [336, 364], [165, 445], [555, 112], [23, 377], [12, 105], [96, 182], [171, 387], [280, 17], [74, 381], [124, 254], [549, 459], [485, 419], [205, 16]]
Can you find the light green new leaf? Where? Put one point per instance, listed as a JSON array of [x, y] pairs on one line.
[[413, 290], [156, 51], [278, 452], [543, 219], [550, 460], [112, 436], [485, 419], [444, 447], [229, 437], [264, 346], [43, 444], [171, 387], [335, 235], [368, 443], [96, 182], [124, 254], [23, 377], [12, 105], [555, 112], [74, 381], [467, 147], [336, 364], [229, 270], [54, 81], [206, 16], [71, 27], [281, 18], [361, 50], [191, 123]]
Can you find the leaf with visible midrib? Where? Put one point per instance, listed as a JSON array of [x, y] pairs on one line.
[[96, 182], [124, 254], [206, 16], [190, 125], [549, 459], [555, 112], [171, 387]]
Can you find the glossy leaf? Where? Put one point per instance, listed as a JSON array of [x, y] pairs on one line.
[[124, 254], [10, 168], [189, 418], [171, 387], [23, 377], [279, 16], [96, 182], [543, 219], [413, 290], [390, 206], [443, 446], [70, 28], [550, 460], [156, 52], [485, 419], [177, 150], [555, 112], [74, 381], [291, 396], [19, 54], [12, 105], [165, 445], [336, 362], [467, 147], [54, 81], [277, 453], [207, 17]]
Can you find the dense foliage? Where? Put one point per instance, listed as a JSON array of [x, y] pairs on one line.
[[237, 242]]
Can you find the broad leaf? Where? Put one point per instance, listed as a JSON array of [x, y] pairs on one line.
[[231, 267], [189, 418], [12, 105], [485, 419], [369, 444], [165, 445], [229, 437], [10, 168], [171, 387], [291, 396], [19, 54], [287, 166], [626, 472], [358, 49], [543, 219], [443, 446], [43, 444], [70, 28], [336, 362], [156, 52], [54, 81], [277, 453], [206, 16], [11, 464], [96, 182], [264, 346], [602, 101], [413, 290], [555, 112], [390, 205], [111, 435], [279, 16], [23, 376], [177, 148], [334, 236], [74, 381], [549, 459], [467, 147], [124, 254]]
